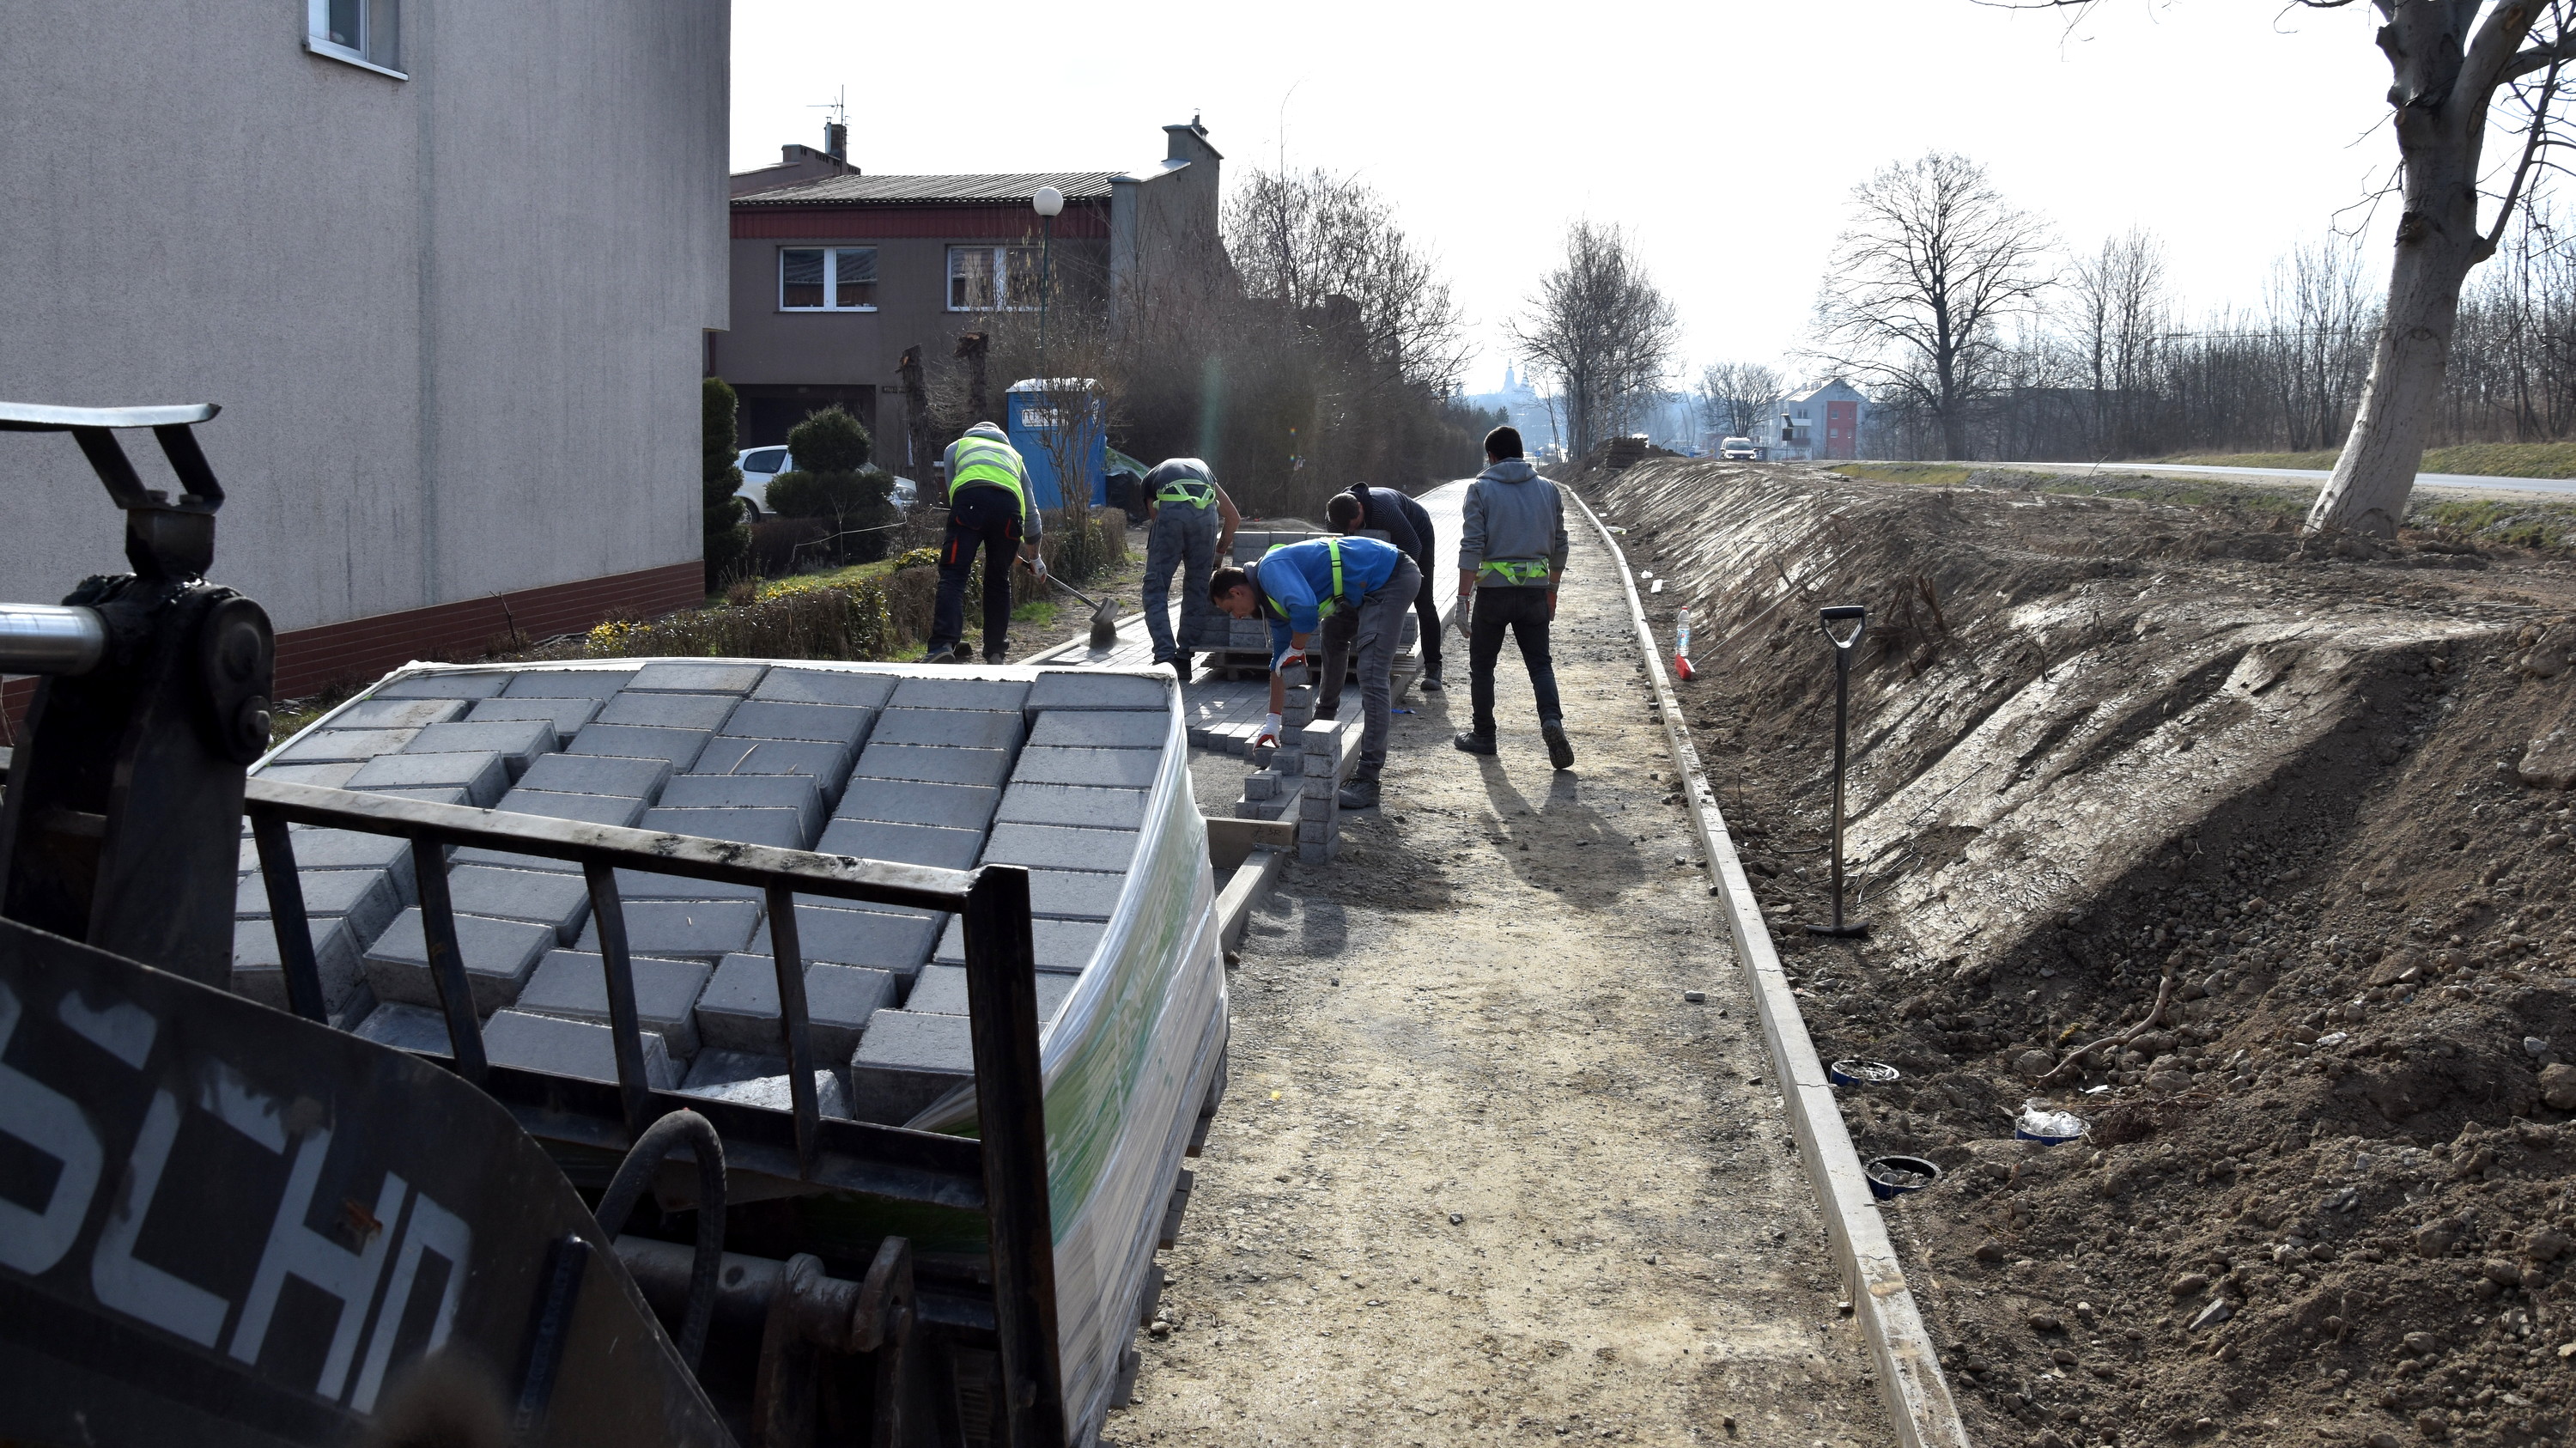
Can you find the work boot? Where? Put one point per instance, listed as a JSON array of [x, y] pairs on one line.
[[995, 656], [939, 654], [1358, 794], [1431, 682], [1474, 743], [964, 653], [1560, 750]]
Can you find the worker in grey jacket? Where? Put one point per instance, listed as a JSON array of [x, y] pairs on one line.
[[1511, 557]]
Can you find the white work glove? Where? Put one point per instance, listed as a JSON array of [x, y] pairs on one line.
[[1038, 567], [1269, 731], [1293, 658]]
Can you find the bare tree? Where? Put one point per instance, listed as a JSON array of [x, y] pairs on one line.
[[1733, 396], [1933, 261], [2458, 66], [2116, 312], [1603, 328]]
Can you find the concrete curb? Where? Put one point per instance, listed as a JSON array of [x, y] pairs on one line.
[[1909, 1374], [1244, 891]]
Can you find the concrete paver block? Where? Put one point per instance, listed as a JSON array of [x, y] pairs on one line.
[[749, 791], [1073, 804], [669, 711], [904, 801], [1007, 695], [321, 849], [1074, 894], [1089, 689], [365, 898], [517, 741], [574, 984], [959, 728], [567, 683], [334, 746], [905, 1062], [566, 715], [320, 776], [483, 776], [560, 1047], [597, 809], [941, 991], [1062, 945], [770, 1092], [878, 939], [1061, 847], [933, 765], [633, 885], [738, 1011], [397, 713], [904, 844], [680, 746], [682, 929], [415, 1029], [259, 969], [1261, 784], [1101, 729], [546, 897], [814, 723], [691, 677], [439, 685], [757, 825], [826, 686], [436, 794], [588, 772], [1116, 768], [825, 764], [498, 956], [714, 1067]]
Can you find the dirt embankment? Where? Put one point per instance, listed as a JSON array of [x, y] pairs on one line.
[[2106, 749]]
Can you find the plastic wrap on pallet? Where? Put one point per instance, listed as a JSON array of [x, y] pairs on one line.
[[1127, 1062]]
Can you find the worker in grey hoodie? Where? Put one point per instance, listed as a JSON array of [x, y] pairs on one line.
[[1511, 557]]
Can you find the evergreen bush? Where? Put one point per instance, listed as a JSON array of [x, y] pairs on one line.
[[727, 542], [832, 480]]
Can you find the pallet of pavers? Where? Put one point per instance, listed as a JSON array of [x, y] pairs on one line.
[[1081, 776]]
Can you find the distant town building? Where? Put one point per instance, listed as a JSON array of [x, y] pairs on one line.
[[1821, 422]]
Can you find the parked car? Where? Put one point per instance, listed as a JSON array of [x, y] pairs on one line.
[[1738, 450], [762, 465]]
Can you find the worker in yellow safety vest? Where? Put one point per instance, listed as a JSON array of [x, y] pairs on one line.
[[1191, 528], [988, 507]]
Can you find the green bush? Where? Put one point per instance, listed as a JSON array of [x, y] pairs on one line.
[[833, 481], [727, 541]]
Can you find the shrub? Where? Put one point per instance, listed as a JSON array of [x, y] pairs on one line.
[[726, 541], [842, 621], [833, 480]]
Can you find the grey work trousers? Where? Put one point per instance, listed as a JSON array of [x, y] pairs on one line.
[[1375, 627], [1180, 537]]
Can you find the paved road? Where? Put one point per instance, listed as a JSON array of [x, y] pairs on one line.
[[2313, 477]]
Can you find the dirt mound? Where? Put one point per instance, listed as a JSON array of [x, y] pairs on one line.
[[2244, 814]]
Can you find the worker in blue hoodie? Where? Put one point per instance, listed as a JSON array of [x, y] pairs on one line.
[[1295, 587]]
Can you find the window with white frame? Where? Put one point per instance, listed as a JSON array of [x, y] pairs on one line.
[[994, 278], [362, 32], [827, 279]]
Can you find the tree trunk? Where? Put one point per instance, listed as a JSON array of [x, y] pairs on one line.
[[2441, 127]]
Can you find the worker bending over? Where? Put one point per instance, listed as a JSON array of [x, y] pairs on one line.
[[1192, 521], [1295, 587], [1408, 527], [988, 507], [1511, 557]]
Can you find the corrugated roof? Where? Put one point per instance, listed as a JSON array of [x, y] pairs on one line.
[[931, 190]]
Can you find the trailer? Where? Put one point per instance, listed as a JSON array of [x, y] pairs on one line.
[[675, 1050]]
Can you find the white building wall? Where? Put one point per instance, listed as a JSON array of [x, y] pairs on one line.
[[455, 321]]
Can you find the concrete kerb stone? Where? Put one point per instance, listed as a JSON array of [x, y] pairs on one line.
[[574, 984], [738, 1010], [397, 713], [259, 970], [1092, 689], [566, 715], [1073, 894], [732, 757], [812, 723], [750, 791], [941, 991], [1073, 804], [337, 746], [906, 801], [1061, 847], [592, 684], [321, 776], [484, 776], [905, 1062], [442, 684], [498, 956], [725, 1082], [954, 728], [551, 898], [590, 772], [706, 712], [706, 930], [517, 741], [1910, 1381], [934, 764], [560, 1047], [750, 825], [884, 940], [1062, 945], [904, 844], [691, 676], [365, 898], [681, 747], [825, 686], [997, 695], [416, 1029], [1100, 729], [1112, 768]]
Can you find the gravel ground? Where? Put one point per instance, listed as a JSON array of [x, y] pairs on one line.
[[1483, 1173]]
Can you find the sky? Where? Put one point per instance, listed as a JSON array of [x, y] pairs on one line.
[[1725, 134]]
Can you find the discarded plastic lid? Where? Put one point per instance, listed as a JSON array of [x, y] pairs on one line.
[[1857, 1071], [1894, 1176], [2049, 1128]]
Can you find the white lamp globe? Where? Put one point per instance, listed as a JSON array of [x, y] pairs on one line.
[[1048, 201]]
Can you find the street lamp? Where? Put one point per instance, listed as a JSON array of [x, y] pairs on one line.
[[1048, 202]]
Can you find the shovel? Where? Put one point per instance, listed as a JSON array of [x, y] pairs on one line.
[[1104, 615]]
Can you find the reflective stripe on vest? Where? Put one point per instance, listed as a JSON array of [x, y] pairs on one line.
[[1516, 572], [1197, 492], [984, 463], [1324, 607]]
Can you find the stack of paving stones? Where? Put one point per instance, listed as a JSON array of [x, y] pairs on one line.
[[944, 770]]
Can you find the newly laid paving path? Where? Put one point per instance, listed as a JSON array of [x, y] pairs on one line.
[[1483, 1174]]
